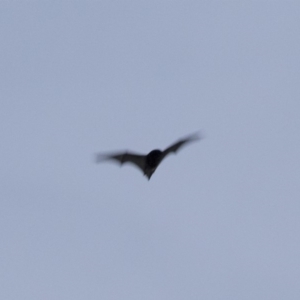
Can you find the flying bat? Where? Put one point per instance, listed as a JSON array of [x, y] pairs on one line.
[[147, 163]]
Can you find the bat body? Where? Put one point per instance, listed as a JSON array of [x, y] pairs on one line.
[[147, 163]]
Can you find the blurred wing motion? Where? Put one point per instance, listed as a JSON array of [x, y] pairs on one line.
[[176, 146], [125, 157], [147, 163]]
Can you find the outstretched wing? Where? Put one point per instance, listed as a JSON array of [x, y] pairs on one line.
[[137, 159], [176, 146]]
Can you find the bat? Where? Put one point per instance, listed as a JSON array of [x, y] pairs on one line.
[[147, 163]]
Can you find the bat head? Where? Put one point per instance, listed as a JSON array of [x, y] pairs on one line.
[[153, 158]]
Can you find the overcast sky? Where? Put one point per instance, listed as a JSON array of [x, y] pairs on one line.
[[220, 220]]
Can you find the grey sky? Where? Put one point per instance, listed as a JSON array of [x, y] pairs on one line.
[[220, 220]]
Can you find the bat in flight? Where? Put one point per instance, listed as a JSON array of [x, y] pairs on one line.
[[147, 163]]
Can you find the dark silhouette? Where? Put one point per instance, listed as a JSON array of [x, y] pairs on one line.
[[147, 163]]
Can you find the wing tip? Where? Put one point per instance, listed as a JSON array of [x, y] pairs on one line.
[[98, 157], [117, 157], [198, 135]]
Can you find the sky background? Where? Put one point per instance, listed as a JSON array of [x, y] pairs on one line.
[[220, 220]]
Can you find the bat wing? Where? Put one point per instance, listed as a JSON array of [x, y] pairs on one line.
[[125, 157], [176, 146]]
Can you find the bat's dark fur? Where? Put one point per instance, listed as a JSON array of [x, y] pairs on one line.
[[147, 163]]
